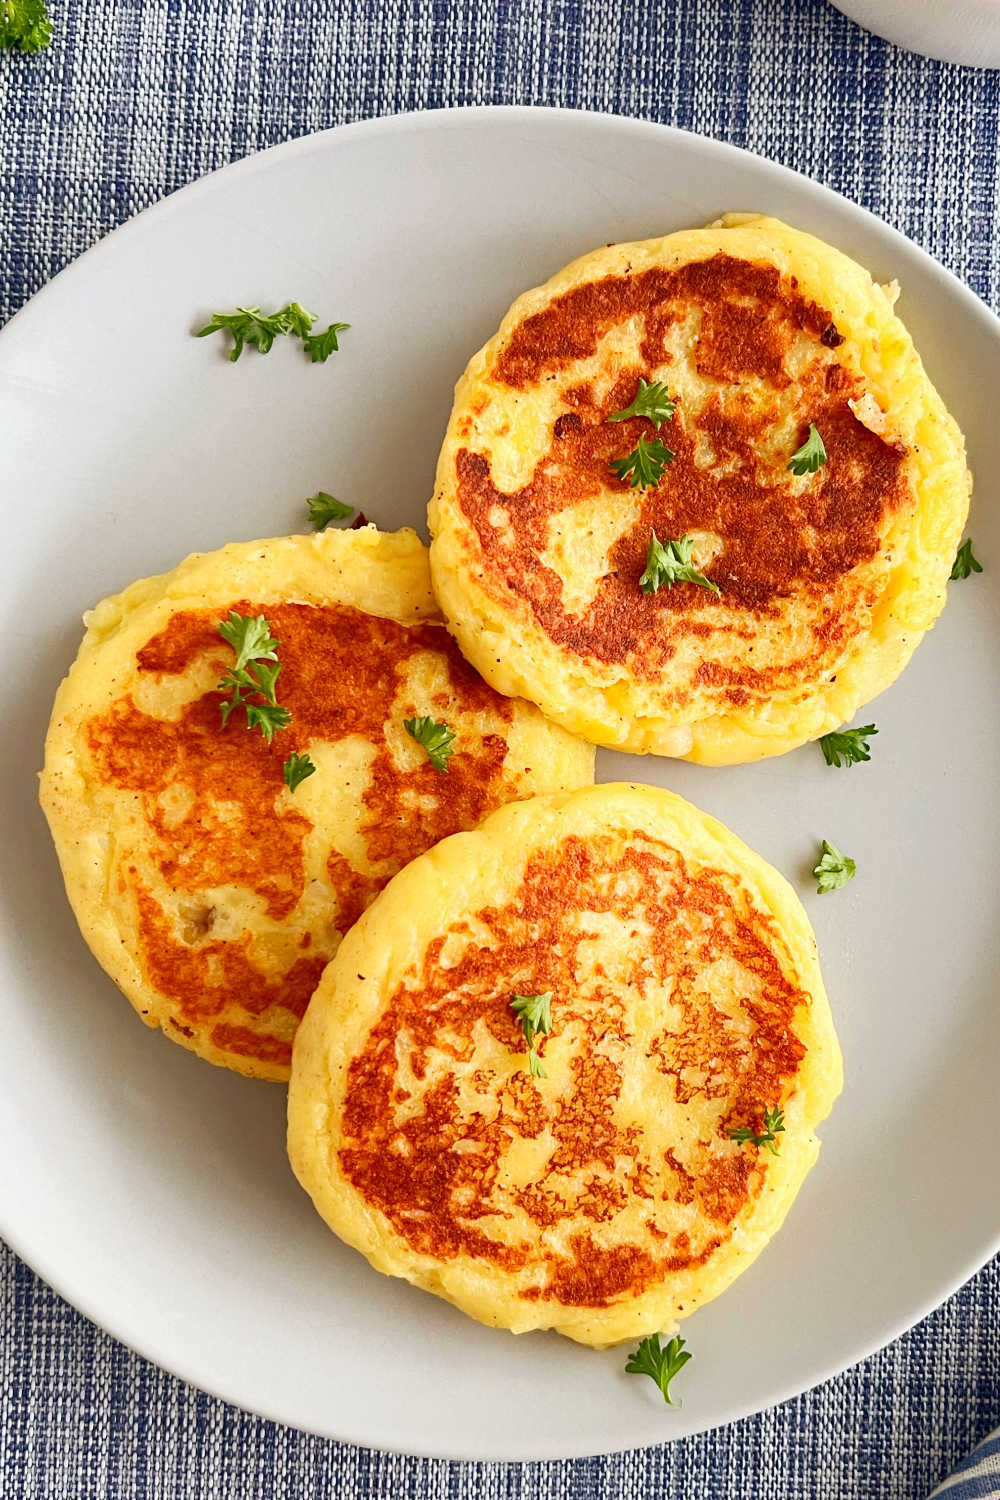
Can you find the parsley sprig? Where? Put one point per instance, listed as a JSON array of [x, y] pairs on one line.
[[644, 466], [436, 738], [670, 562], [25, 25], [319, 346], [834, 869], [249, 327], [774, 1124], [535, 1015], [966, 562], [846, 747], [660, 1362], [323, 509], [251, 681], [296, 769], [652, 400], [807, 459]]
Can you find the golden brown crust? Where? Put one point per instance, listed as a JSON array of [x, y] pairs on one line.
[[230, 894], [437, 1174], [608, 1197], [539, 547]]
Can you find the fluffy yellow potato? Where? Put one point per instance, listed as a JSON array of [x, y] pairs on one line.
[[822, 582], [609, 1197], [210, 892]]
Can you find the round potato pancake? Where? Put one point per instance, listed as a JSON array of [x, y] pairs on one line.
[[820, 584], [210, 892], [617, 1192]]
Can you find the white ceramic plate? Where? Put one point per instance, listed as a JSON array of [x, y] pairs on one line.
[[151, 1189]]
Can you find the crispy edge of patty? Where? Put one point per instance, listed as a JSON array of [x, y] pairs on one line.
[[458, 875], [604, 705]]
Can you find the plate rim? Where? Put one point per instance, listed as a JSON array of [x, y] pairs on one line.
[[337, 136]]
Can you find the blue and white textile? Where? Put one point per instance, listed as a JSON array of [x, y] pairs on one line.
[[978, 1476]]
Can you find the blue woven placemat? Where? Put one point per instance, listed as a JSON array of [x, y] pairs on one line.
[[137, 97]]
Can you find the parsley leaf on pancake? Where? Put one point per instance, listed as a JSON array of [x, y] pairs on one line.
[[437, 739], [296, 769], [644, 466], [774, 1124], [812, 453], [252, 678], [670, 562], [535, 1015], [652, 400], [250, 637]]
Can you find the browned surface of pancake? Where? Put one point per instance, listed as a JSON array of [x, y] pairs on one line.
[[215, 802], [780, 537], [436, 1196]]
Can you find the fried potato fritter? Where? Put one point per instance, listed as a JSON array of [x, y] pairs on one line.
[[613, 1195], [825, 581], [212, 894]]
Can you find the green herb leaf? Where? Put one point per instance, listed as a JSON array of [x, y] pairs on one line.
[[319, 346], [242, 683], [323, 509], [248, 325], [812, 453], [644, 466], [846, 747], [253, 676], [966, 562], [670, 562], [250, 637], [437, 739], [535, 1014], [652, 400], [774, 1124], [296, 769], [834, 869], [25, 25], [267, 717], [660, 1363]]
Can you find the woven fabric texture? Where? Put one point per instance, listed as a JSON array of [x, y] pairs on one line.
[[136, 98], [978, 1476]]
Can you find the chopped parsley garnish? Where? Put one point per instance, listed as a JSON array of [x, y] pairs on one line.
[[251, 682], [323, 509], [296, 769], [437, 739], [846, 747], [25, 25], [774, 1124], [812, 453], [966, 562], [670, 562], [834, 869], [319, 346], [249, 326], [644, 466], [535, 1014], [652, 400], [660, 1362], [250, 637]]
